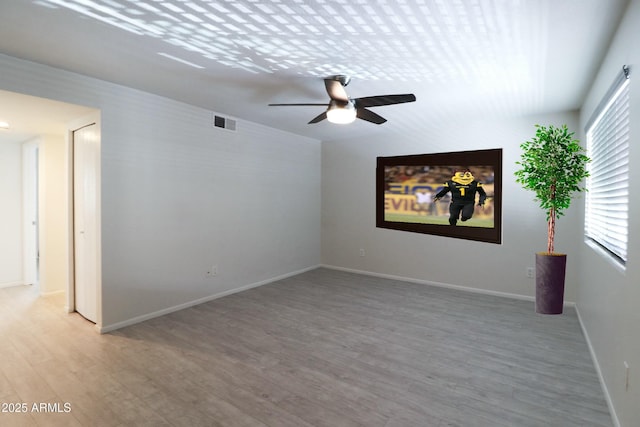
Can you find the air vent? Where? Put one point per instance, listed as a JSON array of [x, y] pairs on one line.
[[224, 123]]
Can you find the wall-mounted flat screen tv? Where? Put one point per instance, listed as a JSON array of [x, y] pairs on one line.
[[455, 194]]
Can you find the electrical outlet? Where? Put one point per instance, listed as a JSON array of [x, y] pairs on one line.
[[213, 271], [361, 251], [530, 272]]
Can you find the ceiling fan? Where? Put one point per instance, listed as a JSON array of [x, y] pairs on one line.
[[342, 109]]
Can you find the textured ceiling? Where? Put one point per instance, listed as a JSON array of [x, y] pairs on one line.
[[459, 57]]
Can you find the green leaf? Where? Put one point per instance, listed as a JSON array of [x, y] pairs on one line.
[[553, 165]]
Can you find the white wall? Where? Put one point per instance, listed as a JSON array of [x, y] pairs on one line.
[[179, 195], [348, 220], [609, 298], [53, 214], [10, 213]]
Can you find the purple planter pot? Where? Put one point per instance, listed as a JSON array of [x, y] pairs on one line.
[[550, 273]]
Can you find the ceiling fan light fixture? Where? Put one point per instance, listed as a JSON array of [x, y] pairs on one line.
[[342, 109], [341, 114]]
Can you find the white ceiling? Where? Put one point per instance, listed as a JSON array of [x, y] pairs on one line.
[[459, 57], [30, 116]]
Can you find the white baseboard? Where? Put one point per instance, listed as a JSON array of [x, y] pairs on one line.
[[594, 358], [11, 284], [52, 293], [442, 285], [112, 327]]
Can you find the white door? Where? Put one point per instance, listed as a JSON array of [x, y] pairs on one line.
[[86, 157], [30, 212]]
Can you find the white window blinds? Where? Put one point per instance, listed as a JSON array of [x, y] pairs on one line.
[[607, 197]]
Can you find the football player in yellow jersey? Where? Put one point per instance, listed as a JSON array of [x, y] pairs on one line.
[[463, 188]]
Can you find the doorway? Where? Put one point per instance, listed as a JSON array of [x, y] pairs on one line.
[[44, 242], [30, 194]]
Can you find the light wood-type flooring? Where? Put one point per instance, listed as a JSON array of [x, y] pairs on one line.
[[324, 348]]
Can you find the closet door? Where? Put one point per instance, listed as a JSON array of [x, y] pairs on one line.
[[86, 156]]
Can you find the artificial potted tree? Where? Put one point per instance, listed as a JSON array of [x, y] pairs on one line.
[[553, 165]]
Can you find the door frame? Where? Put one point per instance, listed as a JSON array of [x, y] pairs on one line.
[[30, 211], [93, 118]]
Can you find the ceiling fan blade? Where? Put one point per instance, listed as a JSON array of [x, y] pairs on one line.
[[339, 100], [318, 118], [299, 105], [335, 89], [370, 116], [376, 101]]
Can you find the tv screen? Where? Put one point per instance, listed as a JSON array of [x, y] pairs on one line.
[[455, 194]]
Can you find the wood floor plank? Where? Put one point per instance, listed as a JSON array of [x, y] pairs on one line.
[[324, 348]]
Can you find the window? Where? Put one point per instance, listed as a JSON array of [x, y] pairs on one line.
[[607, 197]]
